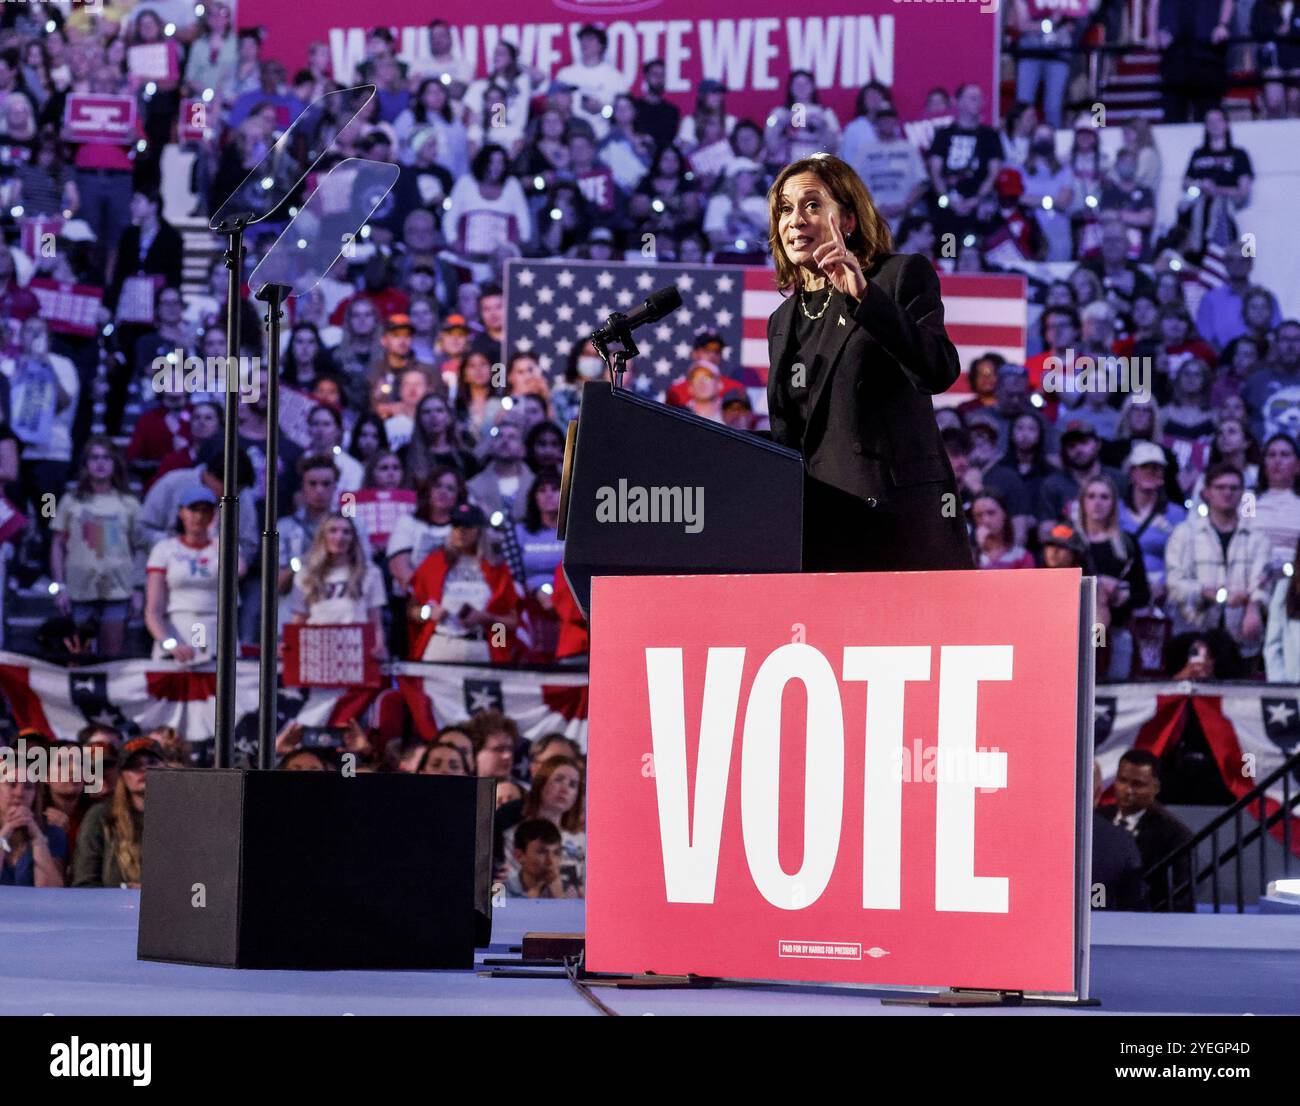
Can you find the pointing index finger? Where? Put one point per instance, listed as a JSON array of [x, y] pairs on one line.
[[835, 229]]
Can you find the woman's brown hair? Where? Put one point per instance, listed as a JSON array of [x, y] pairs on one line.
[[871, 236], [122, 834], [572, 819], [118, 479]]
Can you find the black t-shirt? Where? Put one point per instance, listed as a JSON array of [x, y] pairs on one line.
[[658, 120], [1129, 568], [802, 351], [484, 343], [1224, 167], [966, 154]]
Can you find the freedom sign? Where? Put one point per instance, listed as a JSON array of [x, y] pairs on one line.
[[751, 46], [330, 656], [860, 778]]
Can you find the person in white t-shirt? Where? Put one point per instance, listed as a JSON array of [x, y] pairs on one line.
[[510, 84], [96, 551], [180, 608], [337, 585], [1277, 506], [738, 211], [487, 218], [444, 59], [424, 531], [595, 81], [803, 127]]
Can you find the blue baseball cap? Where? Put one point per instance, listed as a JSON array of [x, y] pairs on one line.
[[197, 494]]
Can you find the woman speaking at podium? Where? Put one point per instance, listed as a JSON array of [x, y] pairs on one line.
[[856, 351]]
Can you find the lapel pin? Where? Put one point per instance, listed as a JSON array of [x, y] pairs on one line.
[[842, 323]]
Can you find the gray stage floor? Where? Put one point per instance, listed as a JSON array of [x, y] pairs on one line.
[[72, 952]]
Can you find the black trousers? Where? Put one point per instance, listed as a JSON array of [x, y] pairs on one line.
[[916, 528]]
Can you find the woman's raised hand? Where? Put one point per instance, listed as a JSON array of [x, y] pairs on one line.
[[838, 263]]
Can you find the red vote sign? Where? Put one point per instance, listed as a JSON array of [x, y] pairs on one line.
[[99, 117], [863, 778]]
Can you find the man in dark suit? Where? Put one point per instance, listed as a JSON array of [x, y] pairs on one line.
[[1157, 832], [1117, 882], [856, 352]]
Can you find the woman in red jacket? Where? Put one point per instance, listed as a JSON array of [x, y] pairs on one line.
[[575, 634], [463, 606]]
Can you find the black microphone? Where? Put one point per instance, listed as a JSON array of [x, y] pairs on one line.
[[660, 303]]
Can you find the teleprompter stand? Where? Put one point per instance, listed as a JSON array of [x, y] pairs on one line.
[[252, 868]]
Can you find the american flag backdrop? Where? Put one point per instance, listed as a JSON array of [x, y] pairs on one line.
[[983, 313], [554, 303]]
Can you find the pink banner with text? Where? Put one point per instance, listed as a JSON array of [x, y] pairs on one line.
[[909, 45]]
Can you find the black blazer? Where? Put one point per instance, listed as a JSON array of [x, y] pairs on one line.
[[870, 432], [1117, 866], [164, 258], [1158, 834]]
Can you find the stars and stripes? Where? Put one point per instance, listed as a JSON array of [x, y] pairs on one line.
[[982, 314], [553, 304]]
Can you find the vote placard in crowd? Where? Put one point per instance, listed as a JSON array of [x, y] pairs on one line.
[[12, 520], [198, 120], [99, 117], [153, 61], [67, 308], [378, 509], [866, 778], [330, 656]]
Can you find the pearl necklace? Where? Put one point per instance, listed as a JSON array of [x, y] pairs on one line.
[[808, 313]]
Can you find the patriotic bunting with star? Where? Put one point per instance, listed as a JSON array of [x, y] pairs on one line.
[[139, 695], [1251, 729]]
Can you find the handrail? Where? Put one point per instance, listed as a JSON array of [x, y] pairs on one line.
[[1257, 795]]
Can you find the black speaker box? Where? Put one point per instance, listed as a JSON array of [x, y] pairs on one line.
[[315, 870]]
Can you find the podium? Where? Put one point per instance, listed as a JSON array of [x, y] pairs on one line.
[[655, 490]]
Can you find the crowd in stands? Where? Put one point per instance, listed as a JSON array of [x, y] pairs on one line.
[[422, 493], [83, 828]]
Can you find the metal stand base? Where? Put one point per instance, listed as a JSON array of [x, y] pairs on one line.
[[560, 956], [960, 996]]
